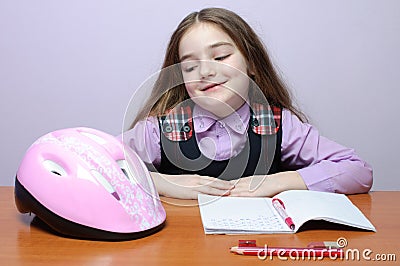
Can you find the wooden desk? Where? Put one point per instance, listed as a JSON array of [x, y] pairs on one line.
[[183, 242]]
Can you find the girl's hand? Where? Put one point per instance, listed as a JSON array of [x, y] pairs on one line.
[[267, 185], [189, 186]]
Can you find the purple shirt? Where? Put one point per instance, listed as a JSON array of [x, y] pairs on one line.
[[323, 164]]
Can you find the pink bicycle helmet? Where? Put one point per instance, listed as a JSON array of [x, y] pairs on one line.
[[83, 183]]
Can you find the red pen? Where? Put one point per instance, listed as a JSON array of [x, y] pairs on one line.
[[248, 247], [286, 252], [280, 208]]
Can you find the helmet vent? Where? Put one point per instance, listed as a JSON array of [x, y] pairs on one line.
[[94, 137], [125, 173], [54, 168], [124, 168], [105, 183]]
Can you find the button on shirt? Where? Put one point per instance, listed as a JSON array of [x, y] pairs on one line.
[[220, 139], [323, 164]]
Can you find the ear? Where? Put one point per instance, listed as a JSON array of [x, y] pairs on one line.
[[251, 74], [250, 71]]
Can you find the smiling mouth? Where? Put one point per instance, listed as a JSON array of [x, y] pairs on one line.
[[212, 85]]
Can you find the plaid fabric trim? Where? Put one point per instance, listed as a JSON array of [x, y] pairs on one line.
[[177, 124], [265, 120]]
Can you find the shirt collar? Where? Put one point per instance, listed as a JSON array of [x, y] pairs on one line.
[[237, 121]]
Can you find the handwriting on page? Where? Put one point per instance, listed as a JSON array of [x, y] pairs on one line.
[[261, 222], [234, 215]]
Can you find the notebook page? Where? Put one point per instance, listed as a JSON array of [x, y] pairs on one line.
[[303, 205], [235, 215]]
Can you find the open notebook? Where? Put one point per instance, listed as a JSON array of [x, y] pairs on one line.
[[241, 215]]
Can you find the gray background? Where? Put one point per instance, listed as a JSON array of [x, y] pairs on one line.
[[77, 63]]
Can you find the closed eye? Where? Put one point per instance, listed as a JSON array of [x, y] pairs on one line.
[[221, 58], [189, 66], [189, 69]]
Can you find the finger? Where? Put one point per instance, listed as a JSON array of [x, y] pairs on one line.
[[240, 193], [216, 183], [241, 181], [250, 183], [214, 191]]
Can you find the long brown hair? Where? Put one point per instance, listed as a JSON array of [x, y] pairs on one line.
[[248, 43]]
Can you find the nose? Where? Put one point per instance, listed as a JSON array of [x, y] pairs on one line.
[[207, 69]]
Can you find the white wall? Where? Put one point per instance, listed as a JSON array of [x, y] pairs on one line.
[[76, 63]]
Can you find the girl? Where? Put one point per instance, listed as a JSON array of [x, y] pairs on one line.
[[207, 128]]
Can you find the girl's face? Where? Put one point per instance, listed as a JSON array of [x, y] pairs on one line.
[[214, 70]]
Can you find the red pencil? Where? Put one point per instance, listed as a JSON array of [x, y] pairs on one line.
[[289, 252]]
